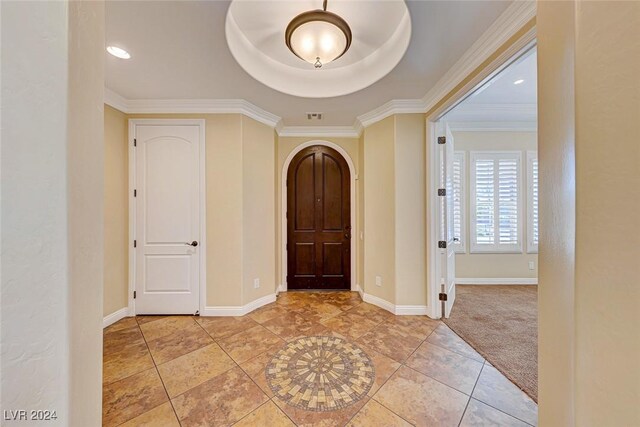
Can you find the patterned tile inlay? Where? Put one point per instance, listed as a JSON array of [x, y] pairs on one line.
[[320, 373]]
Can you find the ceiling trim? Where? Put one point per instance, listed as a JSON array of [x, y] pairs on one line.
[[190, 106], [506, 26], [115, 100], [320, 131], [493, 126], [395, 106]]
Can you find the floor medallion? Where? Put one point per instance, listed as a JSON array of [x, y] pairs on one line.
[[320, 373]]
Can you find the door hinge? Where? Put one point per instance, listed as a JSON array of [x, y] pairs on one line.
[[135, 193], [442, 191], [442, 244], [134, 294], [442, 140], [135, 142], [442, 296], [135, 243]]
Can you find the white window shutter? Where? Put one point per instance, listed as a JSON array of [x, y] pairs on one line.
[[459, 229], [508, 212], [484, 201], [532, 202], [496, 201]]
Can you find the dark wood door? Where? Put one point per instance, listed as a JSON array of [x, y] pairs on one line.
[[318, 220]]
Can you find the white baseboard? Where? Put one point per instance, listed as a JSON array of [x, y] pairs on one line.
[[360, 291], [115, 316], [238, 310], [371, 299], [497, 281], [411, 310], [398, 310], [281, 288]]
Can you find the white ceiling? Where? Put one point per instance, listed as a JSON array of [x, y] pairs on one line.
[[500, 100], [179, 51]]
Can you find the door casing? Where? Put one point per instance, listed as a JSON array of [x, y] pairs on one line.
[[202, 243], [283, 210]]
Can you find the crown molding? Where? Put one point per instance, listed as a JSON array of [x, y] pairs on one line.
[[190, 106], [115, 100], [493, 126], [395, 106], [505, 27], [320, 131]]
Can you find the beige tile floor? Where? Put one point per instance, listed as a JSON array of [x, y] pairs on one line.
[[209, 371]]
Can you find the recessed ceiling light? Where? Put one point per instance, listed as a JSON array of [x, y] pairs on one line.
[[118, 52], [517, 82]]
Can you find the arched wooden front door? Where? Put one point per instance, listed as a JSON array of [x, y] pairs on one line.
[[318, 220]]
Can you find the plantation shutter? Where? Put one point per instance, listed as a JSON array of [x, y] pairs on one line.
[[533, 228], [458, 200], [496, 202]]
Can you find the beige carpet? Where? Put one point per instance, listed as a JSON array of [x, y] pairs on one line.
[[501, 323]]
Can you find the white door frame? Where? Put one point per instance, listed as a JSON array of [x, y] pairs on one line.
[[283, 209], [502, 61], [202, 242]]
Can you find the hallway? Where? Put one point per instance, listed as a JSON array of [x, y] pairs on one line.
[[211, 370]]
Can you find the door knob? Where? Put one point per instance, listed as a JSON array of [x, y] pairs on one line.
[[347, 236], [194, 244]]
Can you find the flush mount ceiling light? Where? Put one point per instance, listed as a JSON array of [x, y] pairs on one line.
[[518, 82], [118, 52], [318, 36]]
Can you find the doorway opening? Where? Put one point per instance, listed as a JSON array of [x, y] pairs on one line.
[[318, 218], [484, 186]]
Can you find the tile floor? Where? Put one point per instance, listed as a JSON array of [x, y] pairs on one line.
[[209, 371]]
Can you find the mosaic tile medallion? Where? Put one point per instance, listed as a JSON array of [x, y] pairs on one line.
[[320, 373]]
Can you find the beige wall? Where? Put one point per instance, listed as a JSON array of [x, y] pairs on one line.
[[394, 210], [379, 210], [410, 218], [285, 145], [589, 298], [85, 202], [240, 196], [258, 192], [470, 265], [116, 210]]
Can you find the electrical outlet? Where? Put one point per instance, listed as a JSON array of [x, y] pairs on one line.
[[256, 283], [378, 281], [531, 265]]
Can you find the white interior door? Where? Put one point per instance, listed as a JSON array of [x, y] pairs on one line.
[[167, 217], [446, 244]]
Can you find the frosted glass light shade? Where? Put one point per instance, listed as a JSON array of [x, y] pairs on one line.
[[318, 37]]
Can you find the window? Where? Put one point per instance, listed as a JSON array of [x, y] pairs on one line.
[[532, 201], [459, 228], [495, 201]]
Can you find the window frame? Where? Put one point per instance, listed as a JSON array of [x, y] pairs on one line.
[[532, 248], [495, 248], [461, 246]]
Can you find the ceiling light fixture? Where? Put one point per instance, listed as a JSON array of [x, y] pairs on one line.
[[318, 36], [517, 82], [118, 52]]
